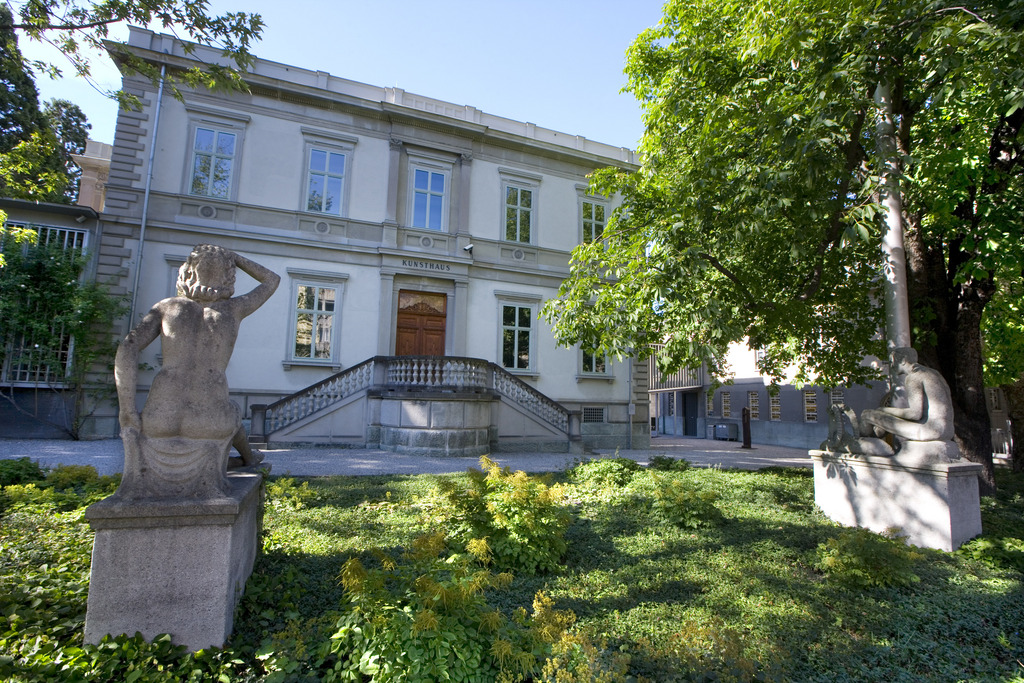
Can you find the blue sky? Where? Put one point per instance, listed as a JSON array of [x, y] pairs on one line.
[[556, 63]]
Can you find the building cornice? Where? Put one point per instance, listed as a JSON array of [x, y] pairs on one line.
[[331, 93]]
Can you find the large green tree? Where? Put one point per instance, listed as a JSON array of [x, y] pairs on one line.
[[759, 205], [71, 127], [19, 99], [36, 143]]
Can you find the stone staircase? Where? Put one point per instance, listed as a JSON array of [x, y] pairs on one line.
[[429, 405]]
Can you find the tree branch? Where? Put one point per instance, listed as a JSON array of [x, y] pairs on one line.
[[961, 9], [64, 27], [732, 277]]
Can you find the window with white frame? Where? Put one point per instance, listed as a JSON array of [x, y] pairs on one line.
[[429, 198], [325, 181], [519, 191], [810, 405], [328, 163], [314, 321], [518, 213], [775, 407], [709, 407], [726, 404], [518, 335], [315, 318], [592, 219], [213, 160], [837, 396], [593, 363], [754, 405], [174, 263]]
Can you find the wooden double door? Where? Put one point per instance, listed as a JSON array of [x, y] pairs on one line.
[[420, 328]]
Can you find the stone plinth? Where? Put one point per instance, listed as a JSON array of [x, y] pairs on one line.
[[936, 505], [173, 566]]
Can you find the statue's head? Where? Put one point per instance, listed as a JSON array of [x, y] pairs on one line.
[[904, 358], [207, 275]]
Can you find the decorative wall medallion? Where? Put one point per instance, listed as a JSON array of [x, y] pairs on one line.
[[207, 211], [322, 227], [518, 254], [426, 242]]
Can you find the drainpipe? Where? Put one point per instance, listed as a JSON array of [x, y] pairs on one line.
[[631, 410], [145, 198]]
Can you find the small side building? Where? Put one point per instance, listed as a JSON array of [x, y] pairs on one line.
[[37, 398], [686, 404]]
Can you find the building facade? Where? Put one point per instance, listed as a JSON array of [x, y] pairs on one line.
[[686, 404], [402, 227]]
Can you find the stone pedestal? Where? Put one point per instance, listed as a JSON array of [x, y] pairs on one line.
[[936, 505], [173, 566]]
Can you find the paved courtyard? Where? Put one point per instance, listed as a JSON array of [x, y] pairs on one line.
[[107, 457]]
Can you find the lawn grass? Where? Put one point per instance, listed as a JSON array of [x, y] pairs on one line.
[[735, 596]]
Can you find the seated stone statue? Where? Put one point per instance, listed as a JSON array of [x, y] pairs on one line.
[[922, 431], [179, 445]]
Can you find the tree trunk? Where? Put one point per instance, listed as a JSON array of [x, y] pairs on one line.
[[1014, 395], [947, 335], [970, 411]]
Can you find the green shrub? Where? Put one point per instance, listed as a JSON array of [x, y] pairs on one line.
[[576, 658], [33, 497], [284, 493], [75, 477], [702, 651], [680, 503], [664, 463], [604, 472], [1000, 553], [519, 519], [859, 558], [425, 618], [20, 471]]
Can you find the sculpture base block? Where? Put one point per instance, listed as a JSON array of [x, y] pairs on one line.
[[174, 567], [935, 505]]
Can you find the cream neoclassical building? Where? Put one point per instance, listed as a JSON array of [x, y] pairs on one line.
[[416, 240]]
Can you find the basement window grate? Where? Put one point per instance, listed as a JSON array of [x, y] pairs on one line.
[[592, 414]]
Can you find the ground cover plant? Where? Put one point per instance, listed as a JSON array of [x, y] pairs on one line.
[[668, 574]]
